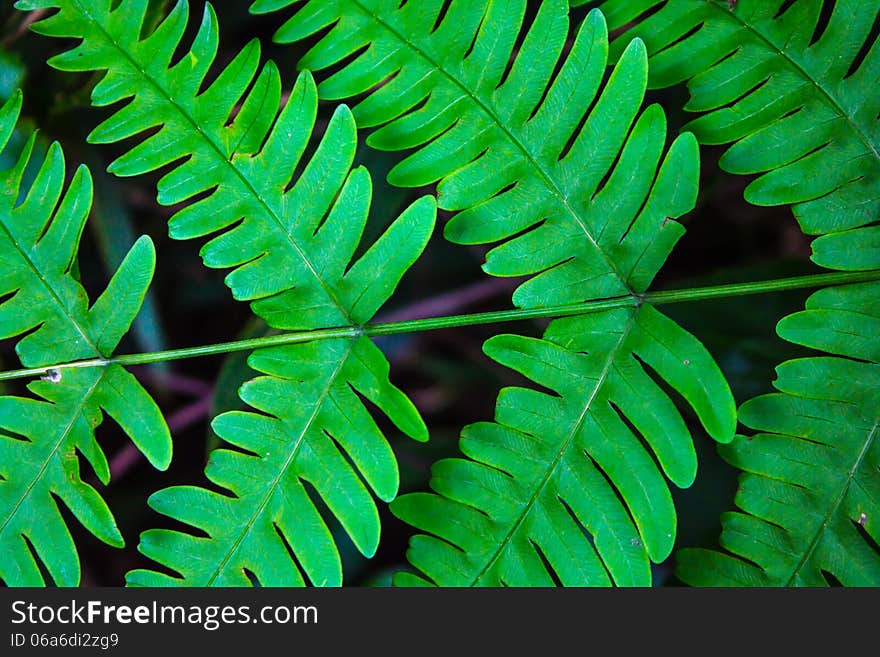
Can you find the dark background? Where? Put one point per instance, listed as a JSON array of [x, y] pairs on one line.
[[444, 372]]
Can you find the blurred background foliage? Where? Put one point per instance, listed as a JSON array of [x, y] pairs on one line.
[[444, 372]]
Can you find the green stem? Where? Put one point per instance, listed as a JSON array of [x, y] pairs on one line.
[[455, 321]]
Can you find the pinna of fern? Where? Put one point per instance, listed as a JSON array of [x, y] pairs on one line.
[[794, 95], [809, 495], [290, 242], [44, 438], [560, 488]]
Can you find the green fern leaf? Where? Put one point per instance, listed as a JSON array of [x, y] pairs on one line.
[[810, 492], [560, 483], [42, 300], [508, 151], [293, 451], [801, 110], [560, 488], [809, 495], [290, 244]]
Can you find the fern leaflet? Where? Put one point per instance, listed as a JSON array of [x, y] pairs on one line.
[[41, 299], [810, 492], [560, 488], [799, 105]]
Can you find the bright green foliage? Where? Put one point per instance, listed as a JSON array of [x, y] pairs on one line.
[[799, 104], [606, 230], [310, 416], [810, 495], [248, 163], [290, 243], [508, 150], [540, 151], [40, 230], [512, 156], [554, 465]]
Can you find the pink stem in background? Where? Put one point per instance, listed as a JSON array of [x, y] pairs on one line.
[[173, 382], [129, 456], [450, 302], [29, 20]]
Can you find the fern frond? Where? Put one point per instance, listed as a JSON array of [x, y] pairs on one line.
[[566, 486], [290, 243], [811, 484], [573, 179], [800, 107], [42, 300]]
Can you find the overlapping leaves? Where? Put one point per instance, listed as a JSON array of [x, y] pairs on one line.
[[290, 241], [571, 178]]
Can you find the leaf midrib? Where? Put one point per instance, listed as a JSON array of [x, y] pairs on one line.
[[835, 505], [829, 98], [545, 177], [65, 311], [249, 187], [282, 471], [563, 450]]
